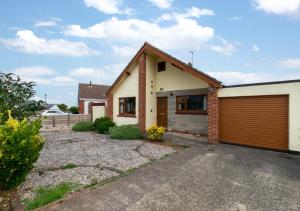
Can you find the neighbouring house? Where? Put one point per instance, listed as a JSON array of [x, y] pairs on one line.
[[52, 110], [156, 88], [89, 95]]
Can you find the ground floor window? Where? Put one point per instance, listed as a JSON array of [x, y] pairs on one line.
[[191, 104], [127, 106]]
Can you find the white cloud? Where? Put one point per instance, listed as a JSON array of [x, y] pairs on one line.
[[255, 48], [105, 75], [236, 77], [26, 41], [45, 24], [290, 63], [183, 34], [42, 75], [124, 51], [162, 3], [38, 74], [108, 6], [63, 79], [278, 7], [193, 12], [46, 76], [34, 71], [235, 18], [225, 48]]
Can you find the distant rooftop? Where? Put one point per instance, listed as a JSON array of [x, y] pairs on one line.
[[92, 91]]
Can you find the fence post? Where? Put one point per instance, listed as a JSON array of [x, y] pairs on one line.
[[53, 121], [68, 120]]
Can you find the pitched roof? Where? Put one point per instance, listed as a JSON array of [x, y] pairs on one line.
[[92, 91], [148, 48]]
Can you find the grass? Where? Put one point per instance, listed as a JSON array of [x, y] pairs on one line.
[[45, 195], [69, 166]]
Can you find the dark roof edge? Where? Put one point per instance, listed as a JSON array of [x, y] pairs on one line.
[[263, 83], [94, 84]]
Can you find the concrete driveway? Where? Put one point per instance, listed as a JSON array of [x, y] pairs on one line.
[[202, 177]]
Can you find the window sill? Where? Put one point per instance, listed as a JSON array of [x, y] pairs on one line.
[[127, 115], [190, 113]]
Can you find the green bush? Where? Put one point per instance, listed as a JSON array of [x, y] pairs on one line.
[[103, 124], [74, 110], [83, 126], [20, 146], [125, 132]]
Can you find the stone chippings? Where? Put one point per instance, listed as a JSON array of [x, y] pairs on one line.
[[97, 157]]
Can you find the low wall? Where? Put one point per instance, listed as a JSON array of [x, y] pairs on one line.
[[66, 120]]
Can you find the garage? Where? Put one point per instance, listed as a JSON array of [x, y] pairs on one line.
[[257, 121]]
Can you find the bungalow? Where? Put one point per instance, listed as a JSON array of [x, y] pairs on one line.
[[89, 94], [156, 88]]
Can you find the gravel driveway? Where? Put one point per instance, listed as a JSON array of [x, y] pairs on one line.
[[90, 157]]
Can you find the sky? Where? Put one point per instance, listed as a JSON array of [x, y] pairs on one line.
[[59, 43]]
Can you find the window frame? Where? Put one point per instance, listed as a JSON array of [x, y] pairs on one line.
[[165, 66], [126, 114], [186, 111]]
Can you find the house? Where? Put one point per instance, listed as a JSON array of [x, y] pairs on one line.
[[156, 88], [90, 93], [52, 110]]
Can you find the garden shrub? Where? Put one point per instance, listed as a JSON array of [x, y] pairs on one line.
[[155, 133], [103, 124], [125, 132], [20, 146], [74, 110], [83, 126]]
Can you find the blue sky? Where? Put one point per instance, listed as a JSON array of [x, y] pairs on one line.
[[60, 43]]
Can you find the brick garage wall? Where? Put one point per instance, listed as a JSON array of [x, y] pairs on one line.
[[142, 93], [197, 124], [110, 105], [213, 116], [81, 107]]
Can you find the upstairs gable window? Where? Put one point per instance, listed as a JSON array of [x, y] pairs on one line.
[[161, 66]]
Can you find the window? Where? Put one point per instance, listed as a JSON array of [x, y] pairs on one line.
[[161, 66], [127, 106], [191, 104]]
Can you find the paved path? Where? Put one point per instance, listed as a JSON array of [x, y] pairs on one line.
[[202, 177]]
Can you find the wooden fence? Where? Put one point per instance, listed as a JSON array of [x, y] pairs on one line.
[[65, 120]]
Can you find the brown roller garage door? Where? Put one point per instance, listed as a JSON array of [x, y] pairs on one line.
[[260, 121]]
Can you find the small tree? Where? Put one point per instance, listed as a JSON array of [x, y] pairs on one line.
[[74, 110], [63, 107], [16, 96]]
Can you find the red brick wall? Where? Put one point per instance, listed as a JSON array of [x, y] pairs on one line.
[[213, 116], [81, 107], [142, 93], [110, 105]]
